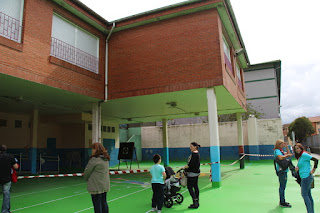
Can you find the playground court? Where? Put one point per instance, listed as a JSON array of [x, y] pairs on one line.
[[253, 189]]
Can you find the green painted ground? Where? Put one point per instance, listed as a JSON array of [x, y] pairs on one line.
[[254, 189]]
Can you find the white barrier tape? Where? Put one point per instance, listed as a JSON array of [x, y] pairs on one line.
[[81, 174]]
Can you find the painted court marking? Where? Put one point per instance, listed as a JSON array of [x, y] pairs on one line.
[[50, 201], [45, 190], [115, 199]]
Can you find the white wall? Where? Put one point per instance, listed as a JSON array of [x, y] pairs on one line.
[[269, 130]]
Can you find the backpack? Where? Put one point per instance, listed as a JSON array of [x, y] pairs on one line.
[[283, 164]]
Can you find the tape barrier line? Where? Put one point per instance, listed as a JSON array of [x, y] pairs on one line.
[[132, 171], [81, 174]]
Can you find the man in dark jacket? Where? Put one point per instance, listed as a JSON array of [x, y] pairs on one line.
[[7, 161]]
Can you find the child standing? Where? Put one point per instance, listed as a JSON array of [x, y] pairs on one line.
[[158, 174]]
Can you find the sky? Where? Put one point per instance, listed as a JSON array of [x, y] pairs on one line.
[[286, 30]]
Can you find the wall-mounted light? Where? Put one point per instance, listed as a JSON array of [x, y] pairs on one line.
[[238, 52]]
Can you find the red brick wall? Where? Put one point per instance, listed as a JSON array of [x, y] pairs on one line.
[[30, 60], [176, 54]]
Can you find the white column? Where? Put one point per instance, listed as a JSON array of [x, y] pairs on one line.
[[240, 138], [165, 140], [96, 123], [253, 139], [214, 138]]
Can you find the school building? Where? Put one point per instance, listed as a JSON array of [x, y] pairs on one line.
[[68, 77]]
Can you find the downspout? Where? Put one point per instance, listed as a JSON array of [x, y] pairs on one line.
[[106, 66]]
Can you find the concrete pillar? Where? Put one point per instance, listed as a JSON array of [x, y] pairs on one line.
[[33, 150], [240, 139], [165, 157], [96, 123], [253, 138], [214, 138]]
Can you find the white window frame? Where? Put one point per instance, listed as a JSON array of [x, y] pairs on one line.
[[20, 23], [74, 44], [226, 48]]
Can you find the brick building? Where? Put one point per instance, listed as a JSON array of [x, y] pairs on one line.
[[69, 78]]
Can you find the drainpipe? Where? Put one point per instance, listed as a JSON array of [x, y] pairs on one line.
[[106, 66]]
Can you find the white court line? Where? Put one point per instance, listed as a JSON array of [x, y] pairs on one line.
[[44, 190], [115, 199], [48, 202]]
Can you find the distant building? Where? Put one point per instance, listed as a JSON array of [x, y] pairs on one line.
[[316, 124], [263, 86]]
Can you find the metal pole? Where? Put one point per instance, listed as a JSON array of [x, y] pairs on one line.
[[40, 164], [58, 164]]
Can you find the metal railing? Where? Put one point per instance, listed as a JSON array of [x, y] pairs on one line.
[[10, 27], [73, 55]]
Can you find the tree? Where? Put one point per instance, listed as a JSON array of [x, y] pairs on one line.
[[245, 115], [302, 128]]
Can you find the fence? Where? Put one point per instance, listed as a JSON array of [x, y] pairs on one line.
[[9, 27], [73, 55], [47, 163], [313, 141]]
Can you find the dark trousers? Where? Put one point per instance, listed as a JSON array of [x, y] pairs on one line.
[[192, 184], [158, 195], [100, 203]]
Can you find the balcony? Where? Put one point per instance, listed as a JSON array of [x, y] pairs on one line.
[[10, 27], [73, 55]]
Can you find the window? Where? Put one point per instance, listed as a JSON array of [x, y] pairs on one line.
[[90, 127], [227, 57], [3, 123], [113, 129], [74, 45], [18, 124], [11, 14], [239, 76], [226, 49]]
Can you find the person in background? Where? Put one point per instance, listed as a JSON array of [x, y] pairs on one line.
[[309, 150], [282, 174], [158, 175], [97, 176], [306, 175], [193, 172], [7, 162]]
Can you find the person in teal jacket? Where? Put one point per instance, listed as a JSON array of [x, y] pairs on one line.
[[158, 175], [306, 175], [282, 174]]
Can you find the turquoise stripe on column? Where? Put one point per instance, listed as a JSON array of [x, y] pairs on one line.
[[165, 157], [33, 152], [215, 167]]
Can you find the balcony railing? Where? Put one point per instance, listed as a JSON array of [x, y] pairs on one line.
[[228, 63], [10, 27], [73, 55]]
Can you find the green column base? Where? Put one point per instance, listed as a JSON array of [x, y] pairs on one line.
[[216, 184]]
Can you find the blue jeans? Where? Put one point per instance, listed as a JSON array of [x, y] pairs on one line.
[[306, 193], [283, 183], [6, 197], [100, 204]]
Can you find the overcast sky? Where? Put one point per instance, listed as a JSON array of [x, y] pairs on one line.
[[286, 30]]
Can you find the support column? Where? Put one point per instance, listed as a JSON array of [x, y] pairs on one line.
[[253, 138], [214, 138], [96, 123], [165, 157], [240, 139], [34, 147]]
